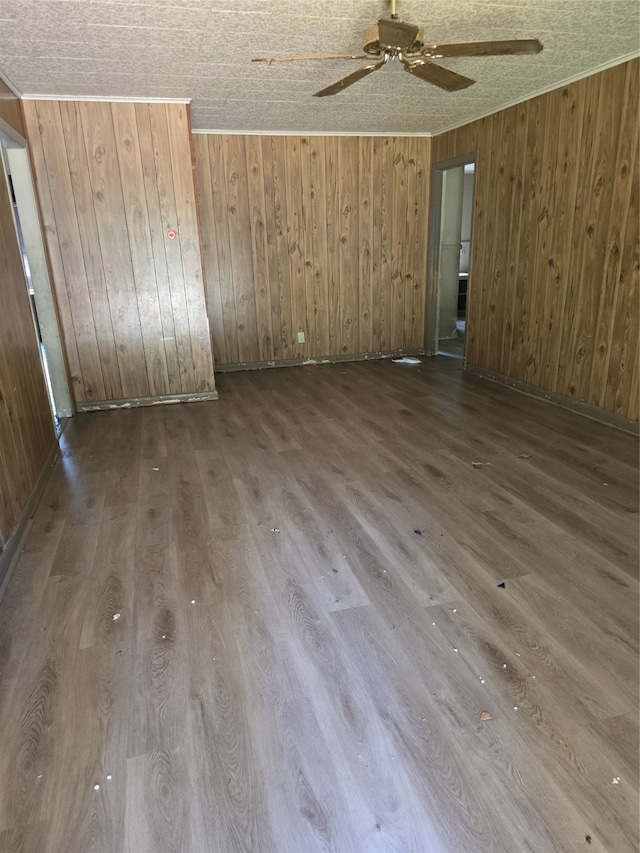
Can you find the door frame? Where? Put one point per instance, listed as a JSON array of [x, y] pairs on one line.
[[17, 151], [437, 176]]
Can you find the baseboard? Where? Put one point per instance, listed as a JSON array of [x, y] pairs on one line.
[[134, 402], [325, 359], [585, 409], [12, 550]]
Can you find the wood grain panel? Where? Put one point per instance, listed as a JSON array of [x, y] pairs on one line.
[[26, 425], [333, 231], [113, 180], [10, 110], [553, 298]]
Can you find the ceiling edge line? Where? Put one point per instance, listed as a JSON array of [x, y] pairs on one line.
[[101, 99], [552, 88], [382, 133]]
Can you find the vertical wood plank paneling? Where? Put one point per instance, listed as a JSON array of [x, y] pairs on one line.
[[113, 179], [26, 426], [618, 234], [553, 292], [365, 241], [338, 244], [422, 206], [273, 242], [138, 228], [219, 197], [280, 180], [294, 242], [348, 243], [169, 219], [74, 140], [260, 266], [55, 256], [150, 166], [566, 181], [308, 245], [108, 205], [182, 166], [398, 228], [333, 237], [320, 253], [63, 230], [240, 244]]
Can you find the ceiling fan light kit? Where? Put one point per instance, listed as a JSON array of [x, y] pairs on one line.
[[392, 38]]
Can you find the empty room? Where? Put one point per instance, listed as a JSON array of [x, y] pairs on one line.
[[319, 391]]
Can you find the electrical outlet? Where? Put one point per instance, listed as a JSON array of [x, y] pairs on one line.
[[300, 337]]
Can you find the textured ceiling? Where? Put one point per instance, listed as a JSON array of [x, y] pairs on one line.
[[201, 49]]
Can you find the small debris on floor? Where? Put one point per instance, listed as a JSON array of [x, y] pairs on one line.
[[587, 838], [517, 654], [615, 780], [406, 359], [504, 666], [156, 469], [116, 616], [515, 707], [96, 787], [418, 532], [109, 776], [335, 571], [275, 530], [480, 464], [193, 601], [524, 456], [502, 585], [485, 715], [456, 651]]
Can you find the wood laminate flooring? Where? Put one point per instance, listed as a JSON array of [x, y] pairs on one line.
[[274, 623]]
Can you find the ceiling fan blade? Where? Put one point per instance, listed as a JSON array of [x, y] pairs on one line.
[[395, 33], [343, 82], [436, 74], [510, 47], [310, 58]]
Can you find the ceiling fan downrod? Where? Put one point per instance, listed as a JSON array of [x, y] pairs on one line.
[[394, 16]]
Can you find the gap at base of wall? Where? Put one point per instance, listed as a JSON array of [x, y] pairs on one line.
[[12, 550], [321, 359], [585, 409], [134, 402]]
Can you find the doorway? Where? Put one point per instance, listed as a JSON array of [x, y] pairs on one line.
[[17, 169], [450, 257]]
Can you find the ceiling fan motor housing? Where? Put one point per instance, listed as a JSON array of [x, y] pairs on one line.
[[374, 45]]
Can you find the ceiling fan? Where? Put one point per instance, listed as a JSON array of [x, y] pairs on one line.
[[394, 40]]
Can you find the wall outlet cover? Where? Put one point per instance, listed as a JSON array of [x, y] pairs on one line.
[[300, 337]]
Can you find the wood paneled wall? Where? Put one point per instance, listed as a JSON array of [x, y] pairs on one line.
[[26, 425], [113, 180], [321, 235], [10, 110], [554, 281]]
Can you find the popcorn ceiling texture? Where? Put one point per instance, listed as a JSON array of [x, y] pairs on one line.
[[201, 49]]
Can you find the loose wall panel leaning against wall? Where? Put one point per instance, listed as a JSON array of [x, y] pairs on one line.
[[114, 180], [321, 235], [554, 287]]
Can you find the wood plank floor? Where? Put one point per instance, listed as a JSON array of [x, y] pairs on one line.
[[275, 623]]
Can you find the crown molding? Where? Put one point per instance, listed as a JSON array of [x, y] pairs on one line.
[[35, 97], [218, 132]]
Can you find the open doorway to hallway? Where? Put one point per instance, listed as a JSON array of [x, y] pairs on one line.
[[450, 257]]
